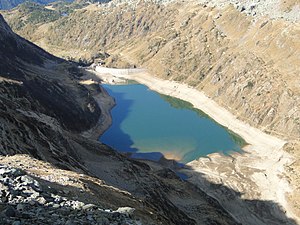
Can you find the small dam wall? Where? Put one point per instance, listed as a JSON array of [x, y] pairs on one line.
[[118, 72]]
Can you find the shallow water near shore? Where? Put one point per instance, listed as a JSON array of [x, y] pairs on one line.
[[150, 125]]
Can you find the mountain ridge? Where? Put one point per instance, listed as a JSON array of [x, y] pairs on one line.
[[9, 4]]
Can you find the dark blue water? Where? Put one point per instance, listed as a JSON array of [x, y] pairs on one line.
[[150, 125]]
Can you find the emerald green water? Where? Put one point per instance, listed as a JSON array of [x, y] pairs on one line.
[[150, 125]]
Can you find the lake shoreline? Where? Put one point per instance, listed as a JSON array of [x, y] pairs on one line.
[[105, 103], [262, 165]]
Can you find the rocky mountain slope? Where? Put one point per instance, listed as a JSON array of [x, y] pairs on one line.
[[46, 107], [243, 55], [8, 4], [34, 201]]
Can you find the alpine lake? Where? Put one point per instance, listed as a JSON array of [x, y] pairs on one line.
[[148, 125]]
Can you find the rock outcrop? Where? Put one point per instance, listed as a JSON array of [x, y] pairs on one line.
[[23, 201], [38, 88]]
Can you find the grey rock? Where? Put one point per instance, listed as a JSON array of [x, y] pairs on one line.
[[20, 207], [55, 216], [55, 206], [3, 187], [70, 222], [10, 211], [4, 199], [4, 170], [27, 179], [7, 181], [18, 172], [126, 210], [90, 218], [66, 192], [62, 204], [102, 220], [25, 216], [35, 194], [58, 199], [64, 212], [88, 206], [36, 186], [32, 202], [16, 222], [77, 205]]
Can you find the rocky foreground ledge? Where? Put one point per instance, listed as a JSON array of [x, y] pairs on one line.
[[25, 200]]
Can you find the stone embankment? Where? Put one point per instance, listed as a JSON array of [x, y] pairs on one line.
[[118, 72]]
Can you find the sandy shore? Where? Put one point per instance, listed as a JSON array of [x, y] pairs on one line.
[[257, 174]]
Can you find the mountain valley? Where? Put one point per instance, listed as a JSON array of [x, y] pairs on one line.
[[244, 56]]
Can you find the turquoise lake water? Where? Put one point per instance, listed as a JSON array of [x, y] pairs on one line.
[[150, 125]]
